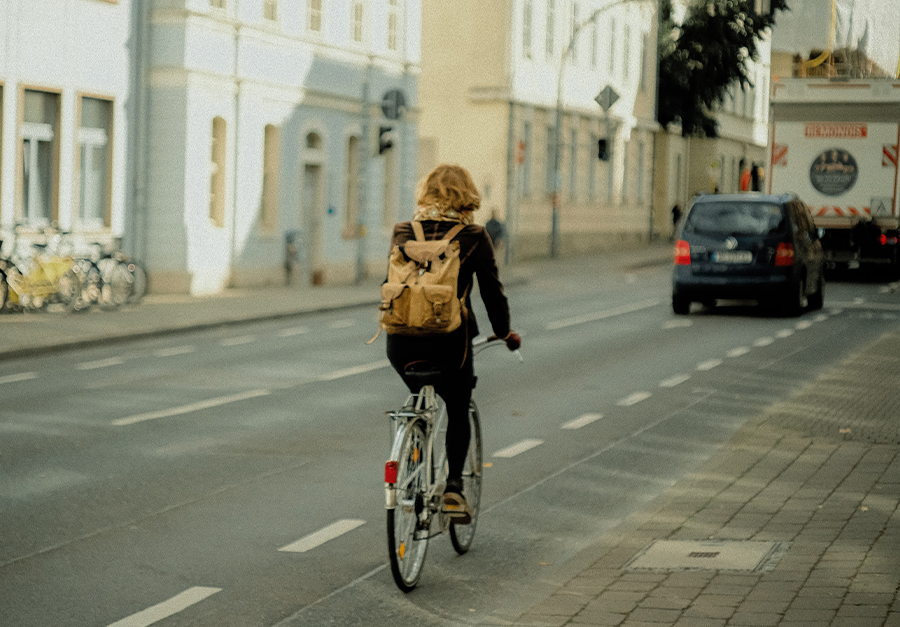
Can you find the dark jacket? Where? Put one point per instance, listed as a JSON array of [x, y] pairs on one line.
[[477, 260]]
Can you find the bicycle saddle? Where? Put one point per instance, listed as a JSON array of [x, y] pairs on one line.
[[422, 373]]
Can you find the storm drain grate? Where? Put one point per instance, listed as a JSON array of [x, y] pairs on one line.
[[735, 555]]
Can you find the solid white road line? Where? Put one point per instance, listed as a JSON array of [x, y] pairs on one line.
[[709, 364], [764, 341], [600, 315], [633, 399], [349, 372], [671, 382], [737, 352], [581, 421], [322, 536], [165, 609], [175, 350], [520, 447], [293, 331], [237, 341], [187, 409], [15, 378], [100, 363]]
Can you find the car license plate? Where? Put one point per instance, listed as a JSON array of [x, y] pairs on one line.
[[732, 256]]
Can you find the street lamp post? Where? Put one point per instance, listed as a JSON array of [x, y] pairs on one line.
[[556, 198]]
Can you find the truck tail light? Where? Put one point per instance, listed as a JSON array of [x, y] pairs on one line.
[[682, 253], [887, 240], [784, 256], [390, 472]]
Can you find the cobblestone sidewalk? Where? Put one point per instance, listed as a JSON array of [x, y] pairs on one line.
[[826, 491]]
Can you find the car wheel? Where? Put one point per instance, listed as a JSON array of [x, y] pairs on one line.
[[681, 305], [817, 299], [709, 303], [796, 300]]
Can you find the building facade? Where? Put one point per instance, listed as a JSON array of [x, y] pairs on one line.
[[225, 141], [493, 77]]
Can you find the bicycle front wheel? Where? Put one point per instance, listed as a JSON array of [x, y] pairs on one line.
[[462, 535], [407, 543]]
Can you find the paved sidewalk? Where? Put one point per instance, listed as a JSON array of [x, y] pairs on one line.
[[27, 334], [825, 491]]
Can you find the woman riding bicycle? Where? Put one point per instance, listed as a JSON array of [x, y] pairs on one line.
[[445, 198]]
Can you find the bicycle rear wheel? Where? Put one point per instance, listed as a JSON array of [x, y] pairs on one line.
[[407, 551], [462, 535]]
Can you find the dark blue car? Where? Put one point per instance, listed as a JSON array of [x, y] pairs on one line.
[[748, 247]]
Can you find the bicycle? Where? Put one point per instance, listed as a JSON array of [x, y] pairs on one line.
[[415, 476]]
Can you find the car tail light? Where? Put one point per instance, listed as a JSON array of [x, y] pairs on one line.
[[390, 472], [784, 256], [682, 253], [886, 240]]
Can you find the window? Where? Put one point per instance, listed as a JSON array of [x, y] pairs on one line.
[[357, 25], [351, 176], [94, 160], [40, 149], [270, 10], [217, 174], [551, 160], [551, 26], [626, 52], [393, 23], [314, 16], [268, 214], [527, 19]]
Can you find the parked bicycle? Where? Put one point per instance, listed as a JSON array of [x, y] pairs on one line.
[[416, 473]]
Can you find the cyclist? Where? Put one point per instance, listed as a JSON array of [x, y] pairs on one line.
[[445, 197]]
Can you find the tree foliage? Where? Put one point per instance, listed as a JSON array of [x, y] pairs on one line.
[[706, 54]]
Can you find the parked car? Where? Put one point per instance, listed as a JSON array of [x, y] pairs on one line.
[[748, 247]]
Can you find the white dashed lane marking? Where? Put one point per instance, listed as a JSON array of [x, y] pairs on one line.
[[784, 333], [349, 372], [764, 341], [342, 324], [187, 409], [158, 612], [293, 331], [737, 352], [671, 382], [709, 364], [600, 315], [519, 447], [237, 341], [15, 378], [633, 399], [322, 536], [581, 421], [175, 350], [803, 324], [100, 363]]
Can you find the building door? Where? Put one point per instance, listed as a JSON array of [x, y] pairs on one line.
[[313, 211]]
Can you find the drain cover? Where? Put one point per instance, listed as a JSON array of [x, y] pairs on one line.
[[709, 555]]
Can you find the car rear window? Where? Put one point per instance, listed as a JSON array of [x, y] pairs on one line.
[[735, 218]]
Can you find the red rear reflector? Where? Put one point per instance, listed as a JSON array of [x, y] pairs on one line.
[[885, 240], [682, 253], [390, 472], [784, 256]]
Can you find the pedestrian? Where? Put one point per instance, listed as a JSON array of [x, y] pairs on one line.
[[676, 218], [447, 197], [497, 231]]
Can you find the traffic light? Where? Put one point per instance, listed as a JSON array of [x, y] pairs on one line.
[[602, 150], [385, 138]]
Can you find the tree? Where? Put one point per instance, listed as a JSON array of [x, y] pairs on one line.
[[701, 58]]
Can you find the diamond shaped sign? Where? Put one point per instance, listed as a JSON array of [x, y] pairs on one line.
[[607, 98]]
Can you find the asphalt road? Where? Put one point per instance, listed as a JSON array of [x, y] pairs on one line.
[[165, 482]]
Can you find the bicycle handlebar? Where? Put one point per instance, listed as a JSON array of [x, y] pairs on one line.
[[480, 343]]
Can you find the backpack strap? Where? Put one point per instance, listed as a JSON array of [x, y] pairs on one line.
[[454, 231], [418, 231]]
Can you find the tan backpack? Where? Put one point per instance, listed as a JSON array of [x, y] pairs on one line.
[[419, 297]]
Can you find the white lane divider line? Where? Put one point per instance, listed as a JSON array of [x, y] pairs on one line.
[[519, 447], [349, 372], [737, 352], [100, 363], [671, 382], [709, 364], [15, 378], [322, 536], [600, 315], [293, 331], [633, 399], [764, 341], [158, 612], [581, 421], [175, 350], [803, 324], [784, 333], [187, 409], [342, 324], [237, 341], [677, 324]]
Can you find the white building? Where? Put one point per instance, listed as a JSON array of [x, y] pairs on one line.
[[207, 133]]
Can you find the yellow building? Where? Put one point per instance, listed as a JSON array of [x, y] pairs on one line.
[[493, 76]]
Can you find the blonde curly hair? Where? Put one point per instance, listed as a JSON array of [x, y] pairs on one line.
[[448, 187]]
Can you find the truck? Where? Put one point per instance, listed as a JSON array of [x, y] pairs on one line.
[[834, 143]]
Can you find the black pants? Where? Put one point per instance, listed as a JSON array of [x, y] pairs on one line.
[[452, 353]]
